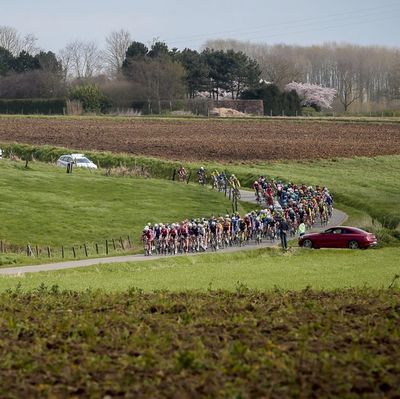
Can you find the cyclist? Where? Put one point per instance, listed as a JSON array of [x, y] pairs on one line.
[[147, 238], [183, 232], [234, 182], [182, 173], [201, 175], [214, 178], [202, 235], [222, 181], [242, 231], [329, 203], [164, 235], [173, 239], [212, 226], [226, 235]]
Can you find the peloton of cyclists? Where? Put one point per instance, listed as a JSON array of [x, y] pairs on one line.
[[295, 207]]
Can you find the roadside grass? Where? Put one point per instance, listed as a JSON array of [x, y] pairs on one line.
[[44, 205], [262, 269]]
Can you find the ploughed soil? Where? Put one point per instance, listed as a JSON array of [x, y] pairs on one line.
[[209, 140], [59, 344]]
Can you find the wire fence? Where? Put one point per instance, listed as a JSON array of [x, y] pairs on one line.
[[105, 247]]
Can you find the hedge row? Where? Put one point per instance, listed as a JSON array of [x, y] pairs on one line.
[[33, 106]]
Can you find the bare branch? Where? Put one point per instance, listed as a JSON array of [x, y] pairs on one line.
[[117, 43]]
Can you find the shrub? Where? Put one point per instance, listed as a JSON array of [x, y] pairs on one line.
[[33, 106], [91, 97]]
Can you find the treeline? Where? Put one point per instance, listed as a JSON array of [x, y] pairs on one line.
[[127, 74], [25, 75], [365, 77]]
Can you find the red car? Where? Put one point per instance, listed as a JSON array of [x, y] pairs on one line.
[[339, 237]]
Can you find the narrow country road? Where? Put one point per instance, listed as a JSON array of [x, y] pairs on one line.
[[337, 219]]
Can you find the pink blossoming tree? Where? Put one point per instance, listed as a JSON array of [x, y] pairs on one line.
[[316, 96]]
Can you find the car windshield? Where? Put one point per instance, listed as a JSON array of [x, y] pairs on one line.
[[82, 160]]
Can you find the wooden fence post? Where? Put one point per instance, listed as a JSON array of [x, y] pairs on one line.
[[122, 243], [85, 248], [129, 241], [49, 252], [62, 251], [173, 175], [113, 241], [106, 247], [97, 248], [73, 250]]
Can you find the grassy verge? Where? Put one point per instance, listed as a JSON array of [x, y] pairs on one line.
[[263, 269], [244, 344]]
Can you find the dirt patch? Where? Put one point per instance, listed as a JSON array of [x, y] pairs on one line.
[[212, 140], [226, 112]]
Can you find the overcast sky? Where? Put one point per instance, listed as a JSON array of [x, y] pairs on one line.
[[186, 23]]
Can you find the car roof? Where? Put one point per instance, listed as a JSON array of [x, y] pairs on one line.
[[348, 227]]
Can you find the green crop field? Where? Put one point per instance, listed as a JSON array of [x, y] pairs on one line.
[[243, 344]]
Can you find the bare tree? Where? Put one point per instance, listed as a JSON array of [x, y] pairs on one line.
[[393, 91], [364, 76], [12, 41], [117, 43], [81, 59], [156, 80]]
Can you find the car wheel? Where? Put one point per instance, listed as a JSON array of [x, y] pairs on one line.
[[307, 244], [353, 245]]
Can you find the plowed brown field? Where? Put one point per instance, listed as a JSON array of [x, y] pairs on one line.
[[218, 140]]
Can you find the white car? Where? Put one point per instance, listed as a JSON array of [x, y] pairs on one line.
[[78, 160], [1, 153]]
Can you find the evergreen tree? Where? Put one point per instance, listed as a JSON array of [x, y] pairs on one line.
[[6, 61], [197, 71], [275, 101], [25, 63]]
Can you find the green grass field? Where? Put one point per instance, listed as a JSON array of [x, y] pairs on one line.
[[46, 206], [369, 188], [263, 269]]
